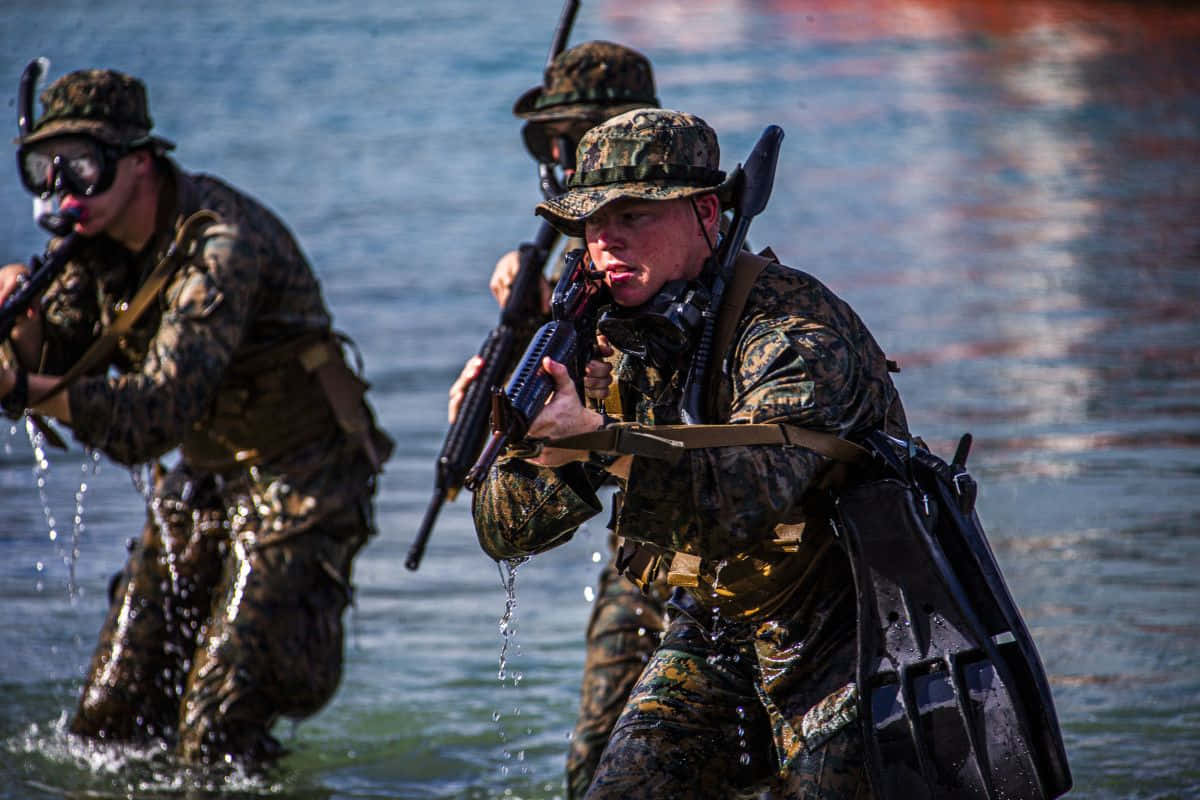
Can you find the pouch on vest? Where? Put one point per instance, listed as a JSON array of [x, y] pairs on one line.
[[953, 698]]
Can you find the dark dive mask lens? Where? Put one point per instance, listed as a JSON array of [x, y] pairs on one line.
[[79, 166]]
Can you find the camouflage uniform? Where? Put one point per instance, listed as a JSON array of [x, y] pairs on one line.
[[228, 612], [587, 84], [751, 688]]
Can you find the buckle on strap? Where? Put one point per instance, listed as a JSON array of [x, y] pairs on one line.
[[638, 441], [626, 439]]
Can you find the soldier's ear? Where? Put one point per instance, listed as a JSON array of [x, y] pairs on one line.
[[709, 209]]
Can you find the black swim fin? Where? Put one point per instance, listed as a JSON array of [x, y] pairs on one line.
[[953, 697]]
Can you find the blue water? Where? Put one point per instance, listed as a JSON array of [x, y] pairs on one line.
[[1007, 192]]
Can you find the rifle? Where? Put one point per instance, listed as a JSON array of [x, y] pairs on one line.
[[467, 433], [752, 185], [569, 339], [42, 271]]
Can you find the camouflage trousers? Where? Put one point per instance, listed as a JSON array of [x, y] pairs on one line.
[[697, 725], [210, 637], [623, 632]]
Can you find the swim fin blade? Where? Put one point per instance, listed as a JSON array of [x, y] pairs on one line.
[[953, 697]]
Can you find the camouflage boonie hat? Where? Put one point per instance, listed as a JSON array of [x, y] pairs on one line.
[[644, 154], [593, 80], [102, 103]]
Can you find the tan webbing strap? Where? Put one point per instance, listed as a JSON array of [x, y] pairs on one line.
[[142, 300], [344, 390], [746, 270], [668, 442]]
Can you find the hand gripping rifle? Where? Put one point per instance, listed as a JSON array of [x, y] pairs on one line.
[[465, 438], [467, 433], [569, 339], [752, 185]]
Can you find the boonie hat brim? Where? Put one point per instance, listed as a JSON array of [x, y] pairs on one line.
[[568, 212], [97, 129]]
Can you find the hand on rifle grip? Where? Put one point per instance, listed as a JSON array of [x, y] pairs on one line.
[[505, 274], [458, 390]]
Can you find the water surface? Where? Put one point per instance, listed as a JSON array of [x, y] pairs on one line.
[[1006, 191]]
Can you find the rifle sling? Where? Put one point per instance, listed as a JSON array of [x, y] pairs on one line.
[[142, 300], [668, 442]]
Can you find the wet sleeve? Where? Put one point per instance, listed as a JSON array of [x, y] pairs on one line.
[[522, 509], [140, 415], [719, 501], [68, 315]]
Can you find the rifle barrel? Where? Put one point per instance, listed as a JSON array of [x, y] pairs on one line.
[[417, 550]]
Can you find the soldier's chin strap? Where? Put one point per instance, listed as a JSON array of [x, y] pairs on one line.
[[712, 250]]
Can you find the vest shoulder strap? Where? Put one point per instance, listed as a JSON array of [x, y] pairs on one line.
[[746, 270]]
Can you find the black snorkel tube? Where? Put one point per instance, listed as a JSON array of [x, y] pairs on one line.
[[60, 223], [33, 73]]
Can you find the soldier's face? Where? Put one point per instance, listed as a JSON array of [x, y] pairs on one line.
[[640, 245]]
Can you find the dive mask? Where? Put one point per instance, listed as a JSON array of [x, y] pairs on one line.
[[78, 165]]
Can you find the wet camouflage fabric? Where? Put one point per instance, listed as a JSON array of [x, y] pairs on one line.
[[698, 726], [645, 154], [593, 80], [211, 635], [193, 369], [800, 356], [624, 630], [103, 103]]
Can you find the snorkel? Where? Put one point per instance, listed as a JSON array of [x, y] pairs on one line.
[[45, 210]]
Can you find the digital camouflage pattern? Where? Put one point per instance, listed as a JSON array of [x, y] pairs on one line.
[[593, 80], [101, 103], [281, 495], [770, 621], [643, 154], [623, 632]]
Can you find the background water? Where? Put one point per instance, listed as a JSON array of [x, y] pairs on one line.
[[1006, 191]]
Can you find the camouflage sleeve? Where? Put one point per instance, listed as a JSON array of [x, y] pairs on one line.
[[68, 313], [522, 509], [719, 501], [140, 415]]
